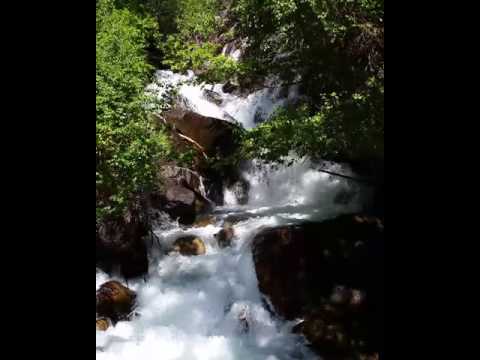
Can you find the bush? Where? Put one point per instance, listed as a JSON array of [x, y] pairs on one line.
[[127, 144]]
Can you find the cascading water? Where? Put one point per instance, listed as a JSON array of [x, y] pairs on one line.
[[248, 110], [209, 307]]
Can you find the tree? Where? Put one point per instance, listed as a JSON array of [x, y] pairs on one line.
[[127, 143]]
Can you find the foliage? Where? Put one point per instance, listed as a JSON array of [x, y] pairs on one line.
[[197, 44], [346, 127], [203, 58], [332, 44], [198, 19], [127, 144], [334, 50]]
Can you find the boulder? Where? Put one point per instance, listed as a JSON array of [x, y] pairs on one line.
[[182, 195], [102, 324], [241, 189], [120, 243], [215, 136], [205, 221], [186, 177], [331, 275], [229, 87], [189, 246], [115, 302], [213, 96], [224, 237]]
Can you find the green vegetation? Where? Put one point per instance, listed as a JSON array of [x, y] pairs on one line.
[[197, 44], [334, 50], [127, 145]]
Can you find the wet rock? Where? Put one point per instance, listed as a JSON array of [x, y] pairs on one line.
[[236, 218], [215, 136], [115, 301], [102, 324], [224, 237], [120, 243], [229, 87], [178, 202], [241, 189], [181, 195], [186, 177], [331, 275], [189, 246], [213, 96], [205, 221]]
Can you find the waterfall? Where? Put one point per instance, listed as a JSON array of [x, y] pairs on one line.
[[197, 307]]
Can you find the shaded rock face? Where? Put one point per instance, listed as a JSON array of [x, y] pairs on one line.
[[209, 137], [182, 196], [120, 243], [115, 302], [331, 275], [215, 136], [189, 246], [235, 182], [178, 202], [241, 189], [229, 87], [186, 177], [214, 184]]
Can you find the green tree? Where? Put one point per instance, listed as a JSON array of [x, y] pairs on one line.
[[127, 143], [334, 50]]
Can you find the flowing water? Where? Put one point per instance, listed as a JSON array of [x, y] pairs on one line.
[[209, 307]]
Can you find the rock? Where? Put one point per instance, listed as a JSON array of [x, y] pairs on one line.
[[115, 301], [102, 324], [215, 136], [205, 221], [229, 87], [330, 338], [224, 237], [183, 176], [331, 275], [189, 246], [241, 189], [120, 242], [213, 96], [214, 187], [233, 218], [179, 202], [181, 195]]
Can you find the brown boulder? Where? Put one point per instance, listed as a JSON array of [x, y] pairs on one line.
[[189, 246], [115, 301], [181, 195], [102, 324], [183, 176], [331, 275], [205, 221], [215, 136], [120, 242]]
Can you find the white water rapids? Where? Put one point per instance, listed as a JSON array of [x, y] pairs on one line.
[[197, 307]]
